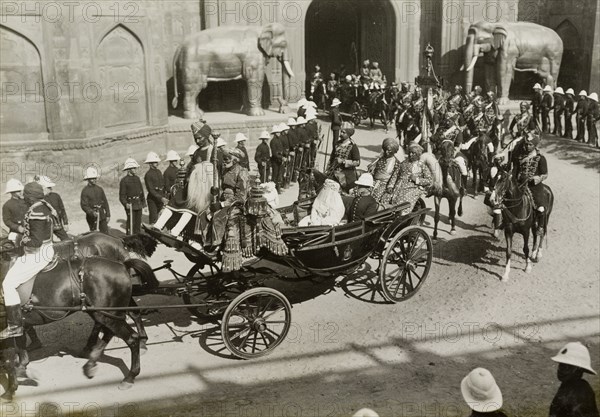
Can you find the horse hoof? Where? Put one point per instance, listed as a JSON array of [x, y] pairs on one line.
[[497, 233], [452, 232], [504, 278], [7, 397], [124, 385], [90, 371], [143, 349], [528, 269]]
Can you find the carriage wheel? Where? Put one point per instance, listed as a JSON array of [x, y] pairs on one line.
[[364, 112], [204, 288], [405, 264], [256, 322], [356, 111]]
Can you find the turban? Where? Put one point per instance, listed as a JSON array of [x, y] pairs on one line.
[[416, 148], [201, 130], [348, 128], [391, 144], [33, 192]]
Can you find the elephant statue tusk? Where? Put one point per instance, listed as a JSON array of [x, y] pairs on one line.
[[288, 68], [473, 62]]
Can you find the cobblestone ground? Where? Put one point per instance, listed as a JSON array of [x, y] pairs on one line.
[[344, 352]]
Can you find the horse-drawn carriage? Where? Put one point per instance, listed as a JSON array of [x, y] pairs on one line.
[[359, 104], [255, 319]]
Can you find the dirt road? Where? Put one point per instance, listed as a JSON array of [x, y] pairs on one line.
[[344, 352]]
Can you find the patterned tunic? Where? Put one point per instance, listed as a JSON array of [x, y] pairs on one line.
[[407, 190], [385, 173]]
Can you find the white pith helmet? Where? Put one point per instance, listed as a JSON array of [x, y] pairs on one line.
[[130, 163], [172, 156], [90, 173], [192, 149], [152, 157], [575, 354], [13, 185]]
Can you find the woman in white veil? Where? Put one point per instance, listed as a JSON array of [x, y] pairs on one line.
[[328, 207]]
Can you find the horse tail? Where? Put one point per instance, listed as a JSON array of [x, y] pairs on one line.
[[140, 243], [436, 172], [460, 207], [145, 273]]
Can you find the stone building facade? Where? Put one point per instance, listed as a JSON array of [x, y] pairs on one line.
[[75, 71]]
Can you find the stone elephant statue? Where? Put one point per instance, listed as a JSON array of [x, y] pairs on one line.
[[228, 53], [512, 46]]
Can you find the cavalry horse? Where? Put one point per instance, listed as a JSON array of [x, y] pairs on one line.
[[452, 184], [378, 107], [479, 159], [90, 245], [80, 284], [519, 216]]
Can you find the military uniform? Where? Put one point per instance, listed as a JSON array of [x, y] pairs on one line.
[[312, 130], [94, 203], [569, 109], [559, 109], [362, 207], [536, 105], [295, 156], [56, 202], [285, 149], [546, 106], [169, 178], [277, 161], [593, 114], [262, 157], [156, 192], [523, 122], [581, 110], [245, 161], [303, 146], [13, 212], [336, 124], [132, 192]]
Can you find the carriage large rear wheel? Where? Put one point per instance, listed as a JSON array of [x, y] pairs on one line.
[[405, 264], [356, 112], [256, 322]]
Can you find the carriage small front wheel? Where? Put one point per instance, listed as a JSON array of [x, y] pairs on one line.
[[256, 322], [405, 264]]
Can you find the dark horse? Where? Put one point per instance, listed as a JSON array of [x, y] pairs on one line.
[[378, 108], [116, 249], [480, 162], [452, 186], [519, 216]]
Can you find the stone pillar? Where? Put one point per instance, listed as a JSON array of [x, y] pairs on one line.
[[595, 67]]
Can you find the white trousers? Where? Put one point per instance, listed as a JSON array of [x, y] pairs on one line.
[[25, 268]]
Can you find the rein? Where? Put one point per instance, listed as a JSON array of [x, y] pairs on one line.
[[518, 201]]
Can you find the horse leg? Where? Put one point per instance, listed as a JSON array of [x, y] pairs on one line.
[[36, 343], [92, 340], [475, 181], [508, 234], [90, 367], [22, 355], [136, 316], [8, 352], [528, 265], [122, 330], [452, 214], [436, 217]]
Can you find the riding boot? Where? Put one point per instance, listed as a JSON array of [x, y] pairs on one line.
[[14, 323], [541, 224]]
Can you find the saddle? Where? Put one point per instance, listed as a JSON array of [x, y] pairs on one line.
[[63, 251]]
